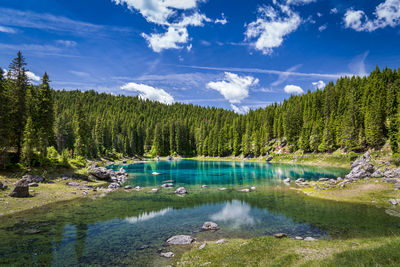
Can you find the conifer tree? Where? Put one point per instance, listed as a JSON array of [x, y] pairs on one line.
[[29, 141]]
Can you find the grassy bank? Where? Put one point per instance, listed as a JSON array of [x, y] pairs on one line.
[[326, 160], [270, 251]]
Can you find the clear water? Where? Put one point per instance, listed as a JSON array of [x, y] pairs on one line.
[[130, 228], [222, 173]]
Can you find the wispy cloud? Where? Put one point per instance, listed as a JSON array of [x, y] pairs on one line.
[[357, 65], [50, 22], [7, 29], [285, 75], [269, 71]]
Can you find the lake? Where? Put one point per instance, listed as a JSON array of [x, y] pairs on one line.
[[130, 228]]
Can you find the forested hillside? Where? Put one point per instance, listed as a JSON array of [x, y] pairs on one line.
[[353, 114]]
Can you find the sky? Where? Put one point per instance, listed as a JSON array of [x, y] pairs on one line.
[[236, 54]]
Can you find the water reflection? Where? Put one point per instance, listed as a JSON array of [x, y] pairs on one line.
[[235, 213], [147, 216]]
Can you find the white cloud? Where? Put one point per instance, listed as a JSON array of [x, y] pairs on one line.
[[7, 29], [334, 10], [319, 14], [149, 92], [147, 216], [234, 88], [171, 39], [222, 21], [32, 76], [293, 89], [189, 47], [319, 84], [236, 214], [271, 26], [322, 27], [241, 109], [165, 13], [66, 43], [386, 14]]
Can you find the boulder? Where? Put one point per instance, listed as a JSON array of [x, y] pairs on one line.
[[180, 240], [298, 238], [209, 226], [361, 168], [269, 159], [21, 188], [114, 186], [180, 191], [170, 158], [287, 180], [154, 190], [128, 187], [300, 180], [390, 180], [102, 173], [166, 185], [138, 188], [167, 254], [393, 201]]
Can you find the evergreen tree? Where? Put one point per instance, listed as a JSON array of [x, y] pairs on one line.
[[29, 141]]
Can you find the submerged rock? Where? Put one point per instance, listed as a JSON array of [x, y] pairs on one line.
[[155, 173], [138, 188], [209, 226], [180, 240], [222, 189], [204, 186], [253, 188], [286, 181]]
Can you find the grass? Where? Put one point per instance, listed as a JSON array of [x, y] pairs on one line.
[[270, 251], [331, 160]]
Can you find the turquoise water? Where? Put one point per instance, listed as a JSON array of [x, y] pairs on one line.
[[222, 173], [130, 228]]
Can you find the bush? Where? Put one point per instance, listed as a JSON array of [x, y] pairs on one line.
[[395, 159], [353, 156], [52, 154]]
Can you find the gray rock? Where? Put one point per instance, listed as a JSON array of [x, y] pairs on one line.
[[73, 184], [280, 235], [287, 180], [21, 188], [180, 240], [222, 189], [204, 186], [390, 180], [298, 238], [377, 174], [154, 190], [245, 190], [166, 185], [269, 158], [253, 188], [322, 179], [202, 246], [309, 239], [300, 180], [167, 254], [210, 226], [221, 241], [393, 201], [114, 186], [101, 173], [138, 188], [33, 184], [128, 187], [361, 168], [180, 191]]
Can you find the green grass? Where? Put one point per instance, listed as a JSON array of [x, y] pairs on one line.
[[269, 251]]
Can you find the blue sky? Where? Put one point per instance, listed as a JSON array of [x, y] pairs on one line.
[[231, 54]]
